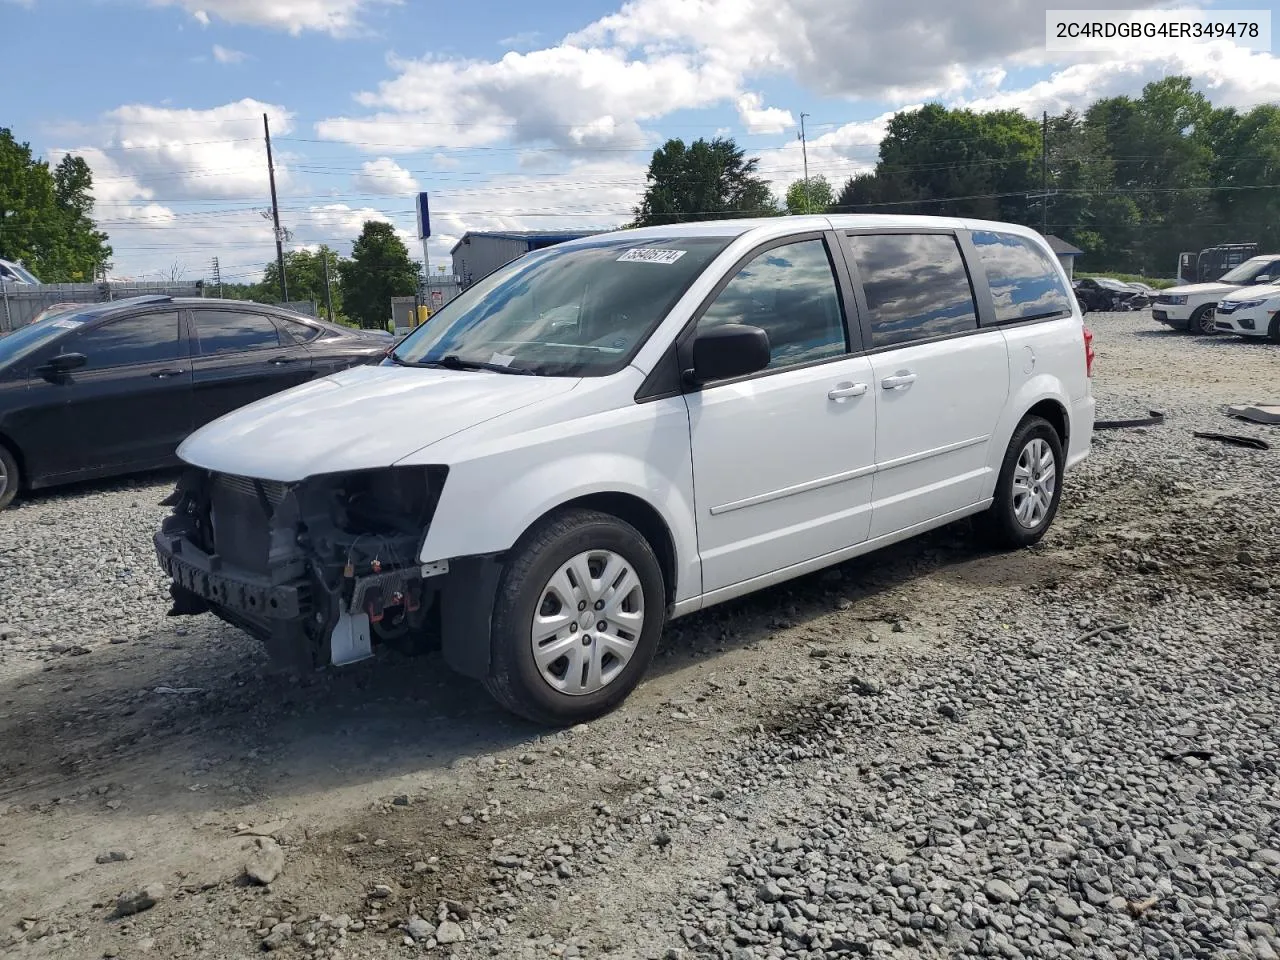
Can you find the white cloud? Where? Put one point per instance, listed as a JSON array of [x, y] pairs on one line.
[[336, 17], [1227, 74], [761, 119], [188, 153], [385, 177], [225, 55], [567, 95]]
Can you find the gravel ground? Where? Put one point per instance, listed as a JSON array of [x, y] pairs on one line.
[[933, 751]]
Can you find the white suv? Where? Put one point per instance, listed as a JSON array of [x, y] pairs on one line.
[[1191, 307], [729, 405]]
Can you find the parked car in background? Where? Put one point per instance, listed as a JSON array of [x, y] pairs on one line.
[[111, 388], [635, 426], [1102, 294], [11, 272], [1251, 312], [1191, 307]]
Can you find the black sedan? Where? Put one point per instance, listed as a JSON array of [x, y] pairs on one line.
[[112, 388]]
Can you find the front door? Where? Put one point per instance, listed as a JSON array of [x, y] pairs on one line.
[[242, 357], [941, 382], [782, 459], [129, 406]]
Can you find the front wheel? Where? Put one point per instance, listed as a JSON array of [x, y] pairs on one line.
[[9, 477], [1203, 321], [1029, 487], [576, 621], [1273, 334]]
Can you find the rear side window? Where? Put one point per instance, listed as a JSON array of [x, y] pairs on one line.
[[1024, 284], [299, 332], [916, 286], [148, 338], [228, 331]]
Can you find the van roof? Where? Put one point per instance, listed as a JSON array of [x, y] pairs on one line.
[[796, 224]]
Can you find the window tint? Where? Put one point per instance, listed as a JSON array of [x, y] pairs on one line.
[[790, 292], [225, 331], [916, 286], [1024, 284], [148, 338], [299, 332]]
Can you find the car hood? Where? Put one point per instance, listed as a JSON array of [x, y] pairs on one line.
[[1261, 292], [362, 418], [1212, 289]]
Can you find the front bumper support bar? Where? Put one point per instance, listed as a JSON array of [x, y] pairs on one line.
[[204, 575]]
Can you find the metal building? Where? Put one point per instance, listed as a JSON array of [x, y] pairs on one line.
[[480, 252]]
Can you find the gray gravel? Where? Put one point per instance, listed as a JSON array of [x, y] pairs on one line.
[[1073, 751]]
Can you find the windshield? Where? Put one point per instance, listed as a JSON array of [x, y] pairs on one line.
[[23, 274], [1246, 271], [578, 311], [26, 340]]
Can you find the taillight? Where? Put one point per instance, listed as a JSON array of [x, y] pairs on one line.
[[1088, 352]]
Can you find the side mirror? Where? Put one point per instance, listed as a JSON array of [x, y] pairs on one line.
[[62, 363], [729, 350], [1264, 278]]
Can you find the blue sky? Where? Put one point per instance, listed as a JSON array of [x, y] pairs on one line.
[[512, 115]]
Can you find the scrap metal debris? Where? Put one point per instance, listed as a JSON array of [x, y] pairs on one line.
[[1235, 439], [1153, 418], [1256, 412]]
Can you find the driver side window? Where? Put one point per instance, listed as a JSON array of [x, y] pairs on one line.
[[790, 292], [1269, 273]]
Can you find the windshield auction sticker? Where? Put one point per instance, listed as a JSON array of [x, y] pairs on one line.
[[651, 255]]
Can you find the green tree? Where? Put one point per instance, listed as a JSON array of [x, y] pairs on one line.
[[44, 215], [304, 271], [378, 270], [707, 180], [812, 196]]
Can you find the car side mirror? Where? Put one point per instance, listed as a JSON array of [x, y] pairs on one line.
[[728, 350], [1264, 278], [62, 363]]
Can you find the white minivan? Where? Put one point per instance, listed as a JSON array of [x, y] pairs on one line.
[[627, 428]]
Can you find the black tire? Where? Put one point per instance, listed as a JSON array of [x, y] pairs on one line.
[[10, 477], [1273, 334], [514, 678], [1000, 524], [1200, 318]]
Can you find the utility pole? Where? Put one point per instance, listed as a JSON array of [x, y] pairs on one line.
[[804, 149], [1044, 173], [217, 275], [275, 212], [328, 294]]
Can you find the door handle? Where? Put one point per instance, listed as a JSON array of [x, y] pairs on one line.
[[280, 361], [844, 390], [899, 381], [165, 374]]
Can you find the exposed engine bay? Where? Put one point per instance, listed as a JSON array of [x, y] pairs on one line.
[[317, 569]]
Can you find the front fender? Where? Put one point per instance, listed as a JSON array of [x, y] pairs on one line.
[[489, 502]]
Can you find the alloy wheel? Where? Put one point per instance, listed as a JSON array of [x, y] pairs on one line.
[[1034, 480]]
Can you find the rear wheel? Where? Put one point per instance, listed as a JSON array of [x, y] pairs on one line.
[[10, 478], [1203, 320], [1029, 487], [579, 610]]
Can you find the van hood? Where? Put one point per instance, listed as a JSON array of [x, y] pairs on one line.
[[1260, 292], [1209, 289], [362, 418]]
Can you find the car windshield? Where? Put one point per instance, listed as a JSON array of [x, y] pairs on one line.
[[1246, 271], [577, 311], [28, 339]]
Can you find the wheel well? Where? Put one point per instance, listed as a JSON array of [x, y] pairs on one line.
[[1056, 414], [644, 518]]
